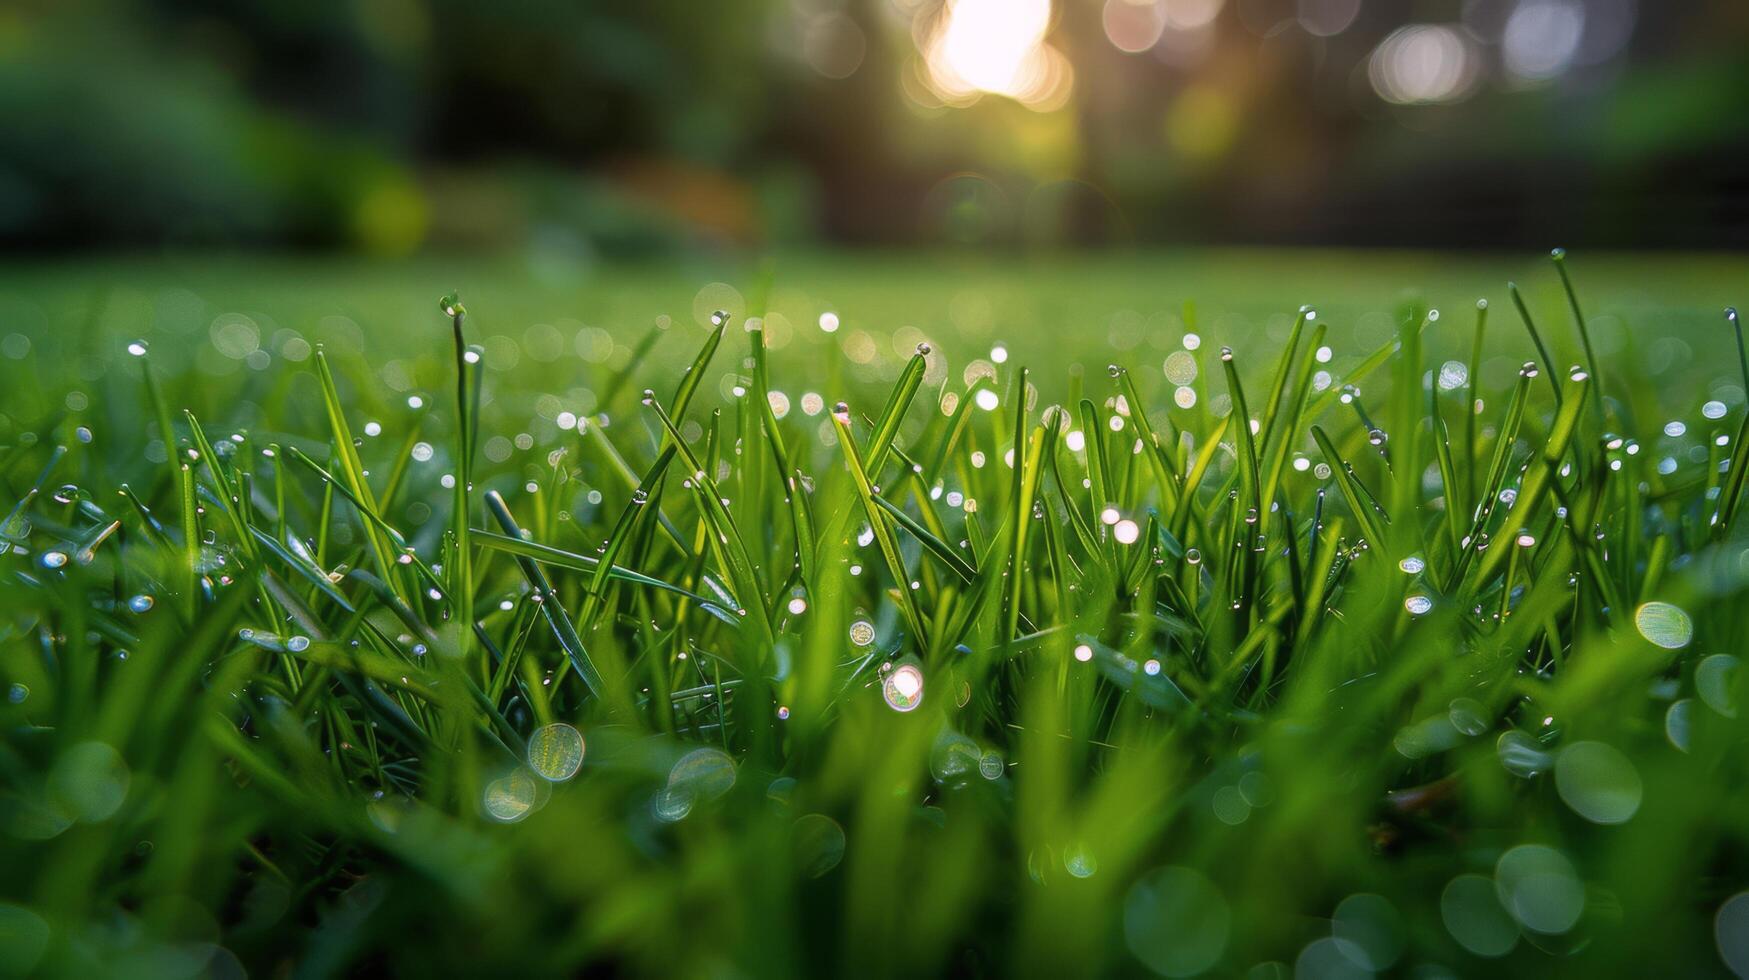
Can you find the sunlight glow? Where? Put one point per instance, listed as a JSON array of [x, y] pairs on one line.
[[997, 47]]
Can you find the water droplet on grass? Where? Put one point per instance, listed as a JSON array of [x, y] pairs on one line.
[[1176, 922], [1469, 716], [903, 687], [1368, 931], [818, 844], [137, 348], [862, 632], [703, 774], [140, 603], [509, 798], [954, 758], [90, 781], [1731, 932], [1521, 755], [1715, 680], [1470, 908], [555, 751], [1418, 605], [990, 765], [1679, 723], [1538, 887], [1664, 625], [1598, 782]]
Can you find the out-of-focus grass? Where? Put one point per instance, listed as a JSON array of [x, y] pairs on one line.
[[1371, 687]]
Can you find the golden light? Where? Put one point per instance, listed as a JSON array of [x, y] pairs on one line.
[[996, 47]]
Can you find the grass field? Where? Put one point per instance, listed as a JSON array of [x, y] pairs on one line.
[[924, 614]]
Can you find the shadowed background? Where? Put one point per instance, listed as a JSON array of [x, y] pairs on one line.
[[574, 130]]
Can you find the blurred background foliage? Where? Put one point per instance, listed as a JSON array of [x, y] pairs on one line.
[[580, 128]]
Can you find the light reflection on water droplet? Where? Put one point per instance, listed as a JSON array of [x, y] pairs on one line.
[[555, 751], [140, 603], [1418, 605], [1521, 755], [903, 687], [509, 798], [862, 632], [1413, 565], [1664, 625]]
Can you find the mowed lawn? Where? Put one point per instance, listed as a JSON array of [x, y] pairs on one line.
[[873, 659]]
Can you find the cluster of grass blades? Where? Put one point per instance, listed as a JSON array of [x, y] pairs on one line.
[[1252, 669]]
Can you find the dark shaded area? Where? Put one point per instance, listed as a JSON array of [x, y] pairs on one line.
[[625, 128]]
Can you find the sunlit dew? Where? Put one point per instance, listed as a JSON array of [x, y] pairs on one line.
[[1323, 355], [141, 603], [1538, 887], [1453, 375], [1413, 565], [1176, 922], [509, 798], [1321, 471], [999, 354], [862, 633], [1521, 755], [17, 693], [1470, 907], [1664, 625], [1368, 930], [1083, 652], [1598, 782], [1109, 516], [1126, 531], [1076, 440], [987, 399], [1192, 341], [1674, 428], [818, 844], [54, 559], [1151, 667], [1180, 367], [422, 452], [903, 687], [1715, 680], [1713, 410], [137, 348], [829, 322], [415, 402], [555, 751], [1080, 861], [812, 403], [1418, 605], [1731, 932], [797, 605]]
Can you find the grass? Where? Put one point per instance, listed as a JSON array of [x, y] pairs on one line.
[[336, 642]]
